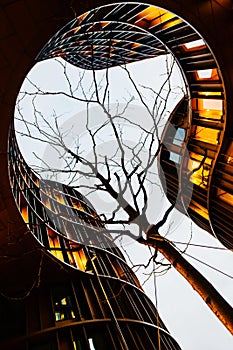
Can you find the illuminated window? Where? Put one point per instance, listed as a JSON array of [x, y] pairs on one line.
[[24, 212], [194, 44], [209, 74], [208, 108], [59, 197], [206, 135], [204, 74], [225, 196], [45, 200], [90, 341], [79, 257], [151, 13], [54, 244], [63, 303], [152, 16], [63, 310], [212, 104], [76, 204], [209, 93], [199, 209], [200, 177]]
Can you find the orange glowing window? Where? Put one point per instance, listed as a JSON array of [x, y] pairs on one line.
[[163, 18], [24, 212], [172, 23], [136, 45], [71, 258], [104, 24], [75, 30], [153, 16], [80, 259], [208, 108], [52, 234], [54, 244], [82, 17], [48, 191], [59, 197], [225, 196], [36, 182], [150, 13], [198, 208], [80, 207], [198, 158], [200, 176], [206, 135], [209, 93], [76, 204], [58, 254], [46, 202]]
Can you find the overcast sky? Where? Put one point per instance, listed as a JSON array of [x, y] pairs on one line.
[[187, 317]]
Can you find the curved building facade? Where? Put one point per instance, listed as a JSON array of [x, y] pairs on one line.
[[66, 286], [95, 301], [198, 155]]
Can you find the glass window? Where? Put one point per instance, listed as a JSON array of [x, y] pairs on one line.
[[204, 73], [208, 108], [179, 137], [194, 44], [206, 135], [174, 157], [201, 173], [63, 303], [225, 196], [199, 209], [91, 343]]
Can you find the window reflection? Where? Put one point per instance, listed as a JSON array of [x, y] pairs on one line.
[[179, 137], [174, 157]]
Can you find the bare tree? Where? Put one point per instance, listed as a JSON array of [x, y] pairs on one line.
[[124, 171]]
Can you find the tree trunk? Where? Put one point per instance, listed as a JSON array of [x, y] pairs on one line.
[[200, 284]]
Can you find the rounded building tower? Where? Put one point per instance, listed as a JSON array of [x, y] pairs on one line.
[[196, 152], [85, 295]]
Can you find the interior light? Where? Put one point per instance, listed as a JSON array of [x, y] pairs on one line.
[[195, 43], [204, 73], [212, 104], [92, 347]]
